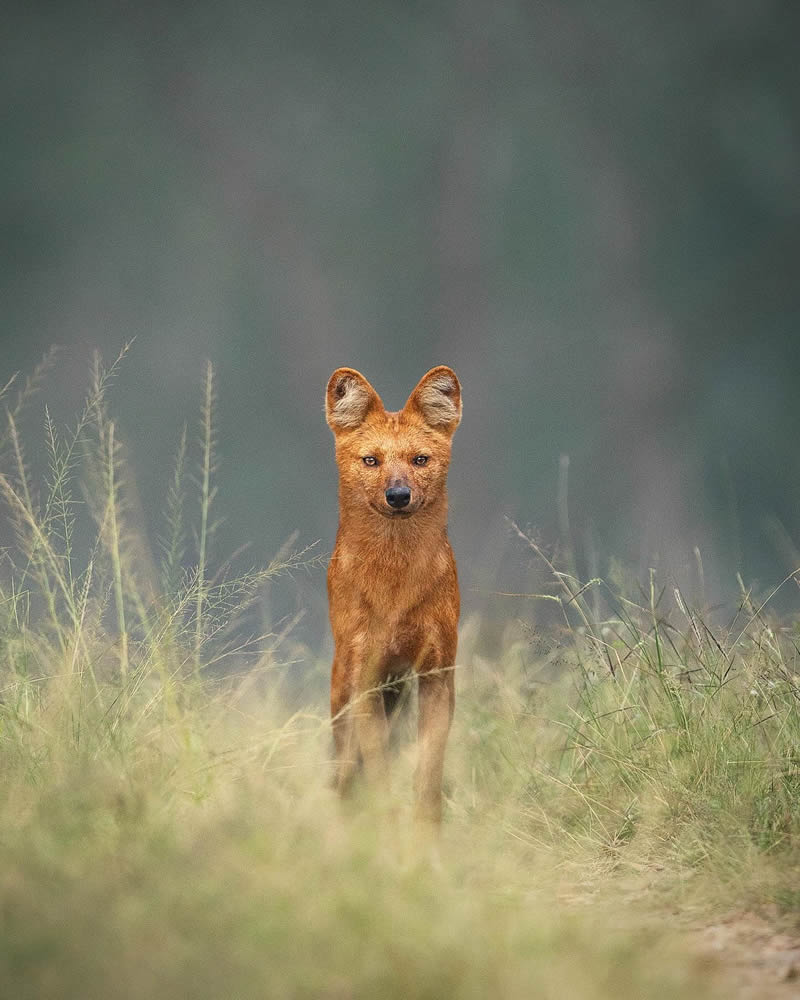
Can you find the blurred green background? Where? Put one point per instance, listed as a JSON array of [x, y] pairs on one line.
[[590, 210]]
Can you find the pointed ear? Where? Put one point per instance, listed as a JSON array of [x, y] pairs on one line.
[[348, 399], [437, 399]]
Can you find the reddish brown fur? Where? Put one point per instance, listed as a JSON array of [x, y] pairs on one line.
[[392, 585]]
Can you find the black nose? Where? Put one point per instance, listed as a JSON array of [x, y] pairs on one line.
[[398, 496]]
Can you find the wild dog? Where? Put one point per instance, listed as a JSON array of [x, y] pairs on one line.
[[392, 584]]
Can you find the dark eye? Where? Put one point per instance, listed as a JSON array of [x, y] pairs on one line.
[[369, 460], [420, 459]]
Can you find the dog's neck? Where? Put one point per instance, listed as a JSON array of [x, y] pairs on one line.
[[375, 535]]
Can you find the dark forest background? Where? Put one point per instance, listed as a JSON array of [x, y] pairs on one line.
[[590, 210]]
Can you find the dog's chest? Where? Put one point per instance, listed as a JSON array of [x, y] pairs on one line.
[[388, 592]]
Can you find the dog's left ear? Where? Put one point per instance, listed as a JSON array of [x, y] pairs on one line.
[[437, 399]]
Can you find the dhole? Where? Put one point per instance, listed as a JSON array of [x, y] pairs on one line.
[[392, 585]]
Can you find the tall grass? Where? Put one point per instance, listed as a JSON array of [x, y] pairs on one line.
[[166, 825], [673, 742], [123, 636]]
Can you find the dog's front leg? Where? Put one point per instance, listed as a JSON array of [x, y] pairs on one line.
[[436, 697], [344, 736], [372, 730]]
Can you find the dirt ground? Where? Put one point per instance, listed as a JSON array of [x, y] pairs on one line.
[[760, 960], [754, 955]]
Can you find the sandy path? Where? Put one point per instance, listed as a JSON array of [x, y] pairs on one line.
[[760, 960]]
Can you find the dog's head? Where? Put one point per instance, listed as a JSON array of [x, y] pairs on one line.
[[394, 464]]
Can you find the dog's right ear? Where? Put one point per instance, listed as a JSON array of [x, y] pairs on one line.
[[348, 400]]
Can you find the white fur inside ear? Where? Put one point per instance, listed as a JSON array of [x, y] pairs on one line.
[[350, 403], [435, 399]]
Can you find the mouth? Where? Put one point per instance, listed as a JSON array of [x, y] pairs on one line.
[[392, 515]]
